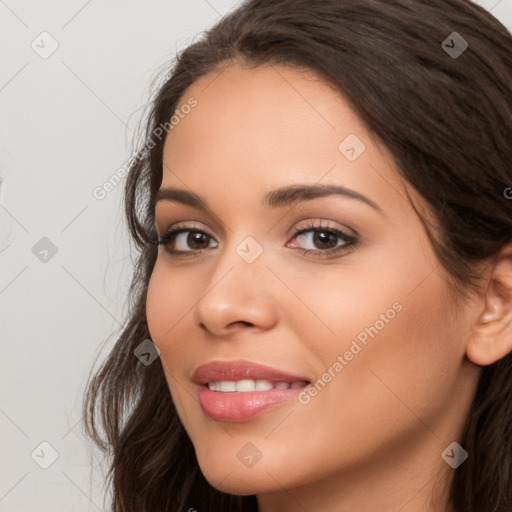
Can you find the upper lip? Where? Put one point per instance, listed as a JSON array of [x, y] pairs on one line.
[[215, 371]]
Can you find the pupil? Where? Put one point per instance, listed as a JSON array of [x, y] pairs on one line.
[[195, 237], [323, 239]]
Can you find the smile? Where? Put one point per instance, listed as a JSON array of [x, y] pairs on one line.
[[237, 391], [246, 385]]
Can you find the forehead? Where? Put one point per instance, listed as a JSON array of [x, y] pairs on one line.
[[252, 116], [270, 100], [269, 126]]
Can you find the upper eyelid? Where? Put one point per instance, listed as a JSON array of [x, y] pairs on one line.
[[185, 226], [295, 231], [312, 224], [223, 228], [186, 223], [218, 224]]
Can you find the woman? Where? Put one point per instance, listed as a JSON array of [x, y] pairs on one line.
[[321, 313]]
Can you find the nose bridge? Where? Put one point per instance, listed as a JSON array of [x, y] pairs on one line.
[[237, 290], [244, 246], [242, 265]]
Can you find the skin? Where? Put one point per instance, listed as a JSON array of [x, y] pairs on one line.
[[372, 438]]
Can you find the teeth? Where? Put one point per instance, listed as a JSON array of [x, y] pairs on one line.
[[227, 386], [263, 385], [247, 385], [214, 386]]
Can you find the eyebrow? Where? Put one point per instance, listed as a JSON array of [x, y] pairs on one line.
[[285, 196]]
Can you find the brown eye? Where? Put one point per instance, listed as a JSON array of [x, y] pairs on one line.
[[196, 240], [324, 241], [183, 240]]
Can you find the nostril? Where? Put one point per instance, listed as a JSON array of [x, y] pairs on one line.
[[243, 322], [238, 323]]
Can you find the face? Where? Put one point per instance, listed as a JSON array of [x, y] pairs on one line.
[[324, 320]]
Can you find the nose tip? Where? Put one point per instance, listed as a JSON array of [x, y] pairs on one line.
[[238, 298]]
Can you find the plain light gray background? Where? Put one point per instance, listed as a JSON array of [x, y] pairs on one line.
[[67, 126]]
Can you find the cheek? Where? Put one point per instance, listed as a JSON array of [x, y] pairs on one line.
[[166, 313], [397, 370], [166, 308], [167, 302], [383, 350], [158, 301], [395, 389]]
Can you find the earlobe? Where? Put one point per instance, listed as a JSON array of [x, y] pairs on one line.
[[491, 337]]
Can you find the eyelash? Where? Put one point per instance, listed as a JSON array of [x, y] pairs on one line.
[[350, 242]]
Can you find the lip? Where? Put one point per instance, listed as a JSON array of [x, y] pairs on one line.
[[242, 406], [238, 370]]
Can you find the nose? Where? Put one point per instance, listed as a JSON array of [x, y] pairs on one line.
[[238, 296]]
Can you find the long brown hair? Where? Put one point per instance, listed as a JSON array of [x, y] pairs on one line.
[[446, 118]]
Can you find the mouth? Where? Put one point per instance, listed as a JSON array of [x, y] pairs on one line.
[[249, 385], [239, 391]]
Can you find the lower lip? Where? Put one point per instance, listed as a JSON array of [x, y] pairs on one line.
[[241, 406]]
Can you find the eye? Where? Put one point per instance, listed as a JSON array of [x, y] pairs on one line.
[[186, 241], [178, 238], [328, 240]]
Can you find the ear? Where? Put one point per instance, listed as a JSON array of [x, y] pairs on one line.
[[491, 338]]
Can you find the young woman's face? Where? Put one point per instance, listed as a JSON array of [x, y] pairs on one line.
[[363, 368]]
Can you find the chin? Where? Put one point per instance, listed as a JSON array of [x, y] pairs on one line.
[[241, 482], [226, 473]]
